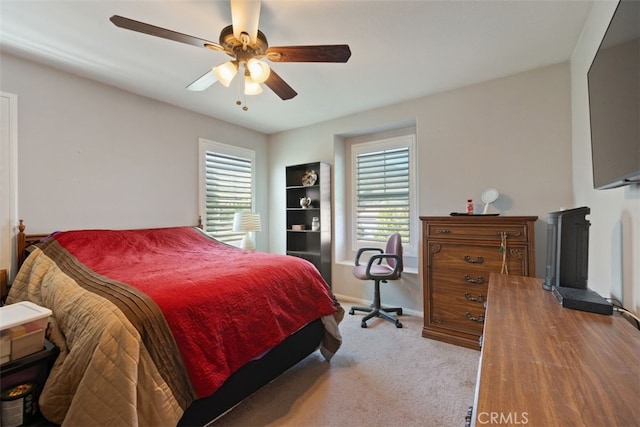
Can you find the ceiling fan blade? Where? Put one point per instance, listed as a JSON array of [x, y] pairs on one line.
[[245, 15], [279, 86], [203, 82], [141, 27], [319, 53]]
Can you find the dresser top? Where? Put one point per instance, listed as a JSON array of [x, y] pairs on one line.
[[554, 366], [479, 218]]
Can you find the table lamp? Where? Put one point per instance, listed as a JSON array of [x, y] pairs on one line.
[[248, 223]]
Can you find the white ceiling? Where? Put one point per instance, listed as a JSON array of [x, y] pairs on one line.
[[401, 50]]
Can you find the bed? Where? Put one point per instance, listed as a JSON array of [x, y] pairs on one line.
[[167, 326]]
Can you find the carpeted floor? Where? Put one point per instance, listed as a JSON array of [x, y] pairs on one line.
[[381, 376]]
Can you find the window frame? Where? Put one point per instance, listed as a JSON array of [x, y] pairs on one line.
[[401, 141], [206, 146]]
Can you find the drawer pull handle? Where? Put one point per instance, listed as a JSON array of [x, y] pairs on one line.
[[469, 316], [470, 297], [478, 260], [444, 231], [477, 281]]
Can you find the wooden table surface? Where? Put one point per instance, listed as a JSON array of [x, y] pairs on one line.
[[545, 365]]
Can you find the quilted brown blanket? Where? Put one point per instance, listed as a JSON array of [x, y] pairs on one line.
[[149, 320]]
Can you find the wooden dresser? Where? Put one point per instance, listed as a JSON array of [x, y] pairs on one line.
[[545, 365], [459, 253]]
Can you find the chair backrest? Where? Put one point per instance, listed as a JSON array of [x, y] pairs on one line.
[[394, 246]]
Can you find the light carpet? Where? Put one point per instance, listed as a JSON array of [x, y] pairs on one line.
[[381, 376]]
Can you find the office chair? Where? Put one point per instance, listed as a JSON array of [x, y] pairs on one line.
[[378, 271]]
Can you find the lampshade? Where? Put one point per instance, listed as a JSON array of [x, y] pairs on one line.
[[259, 70], [251, 87], [246, 221], [225, 72]]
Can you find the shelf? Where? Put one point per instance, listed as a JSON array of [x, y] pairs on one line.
[[49, 351], [303, 253], [33, 368], [298, 187], [315, 246]]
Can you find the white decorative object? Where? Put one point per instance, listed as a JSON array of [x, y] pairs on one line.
[[248, 223], [305, 202], [309, 178], [489, 196]]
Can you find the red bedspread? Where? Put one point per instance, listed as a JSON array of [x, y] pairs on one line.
[[225, 306]]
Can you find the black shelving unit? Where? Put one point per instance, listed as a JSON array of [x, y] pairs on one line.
[[302, 239], [33, 369]]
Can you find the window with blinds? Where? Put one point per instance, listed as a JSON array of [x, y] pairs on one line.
[[382, 176], [226, 187]]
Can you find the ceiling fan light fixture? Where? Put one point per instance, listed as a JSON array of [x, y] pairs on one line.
[[244, 42], [251, 87], [259, 70], [225, 72]]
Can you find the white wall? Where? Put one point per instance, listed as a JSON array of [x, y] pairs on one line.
[[90, 155], [614, 235], [513, 134]]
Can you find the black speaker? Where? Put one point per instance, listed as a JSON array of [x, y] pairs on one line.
[[567, 249]]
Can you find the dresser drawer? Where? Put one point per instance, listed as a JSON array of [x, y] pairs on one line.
[[474, 258], [472, 231], [459, 280], [456, 303], [450, 309]]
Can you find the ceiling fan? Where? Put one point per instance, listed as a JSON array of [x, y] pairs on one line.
[[247, 46]]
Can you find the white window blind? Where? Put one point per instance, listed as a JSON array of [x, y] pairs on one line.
[[383, 195], [228, 188]]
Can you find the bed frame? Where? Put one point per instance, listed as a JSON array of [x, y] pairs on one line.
[[23, 241], [244, 382]]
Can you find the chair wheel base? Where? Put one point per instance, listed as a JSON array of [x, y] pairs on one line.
[[381, 312]]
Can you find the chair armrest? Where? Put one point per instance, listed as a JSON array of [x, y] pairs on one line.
[[363, 250], [379, 258]]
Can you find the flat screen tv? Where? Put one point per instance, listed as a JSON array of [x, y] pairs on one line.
[[614, 100]]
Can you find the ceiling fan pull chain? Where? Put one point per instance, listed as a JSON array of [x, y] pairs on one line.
[[241, 94], [239, 89], [244, 106]]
